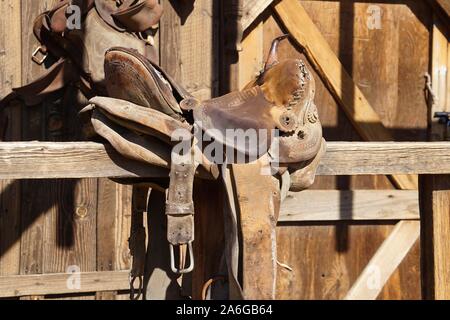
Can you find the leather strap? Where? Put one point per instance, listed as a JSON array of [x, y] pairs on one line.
[[141, 16], [131, 16], [3, 126], [180, 207], [57, 77], [137, 240], [232, 248]]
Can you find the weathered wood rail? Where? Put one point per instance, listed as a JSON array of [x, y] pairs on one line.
[[47, 160], [43, 160]]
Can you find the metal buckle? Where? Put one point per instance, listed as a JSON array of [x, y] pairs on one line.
[[172, 259], [34, 57], [133, 295]]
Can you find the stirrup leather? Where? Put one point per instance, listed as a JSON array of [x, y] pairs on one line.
[[180, 209]]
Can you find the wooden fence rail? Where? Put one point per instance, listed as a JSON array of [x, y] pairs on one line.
[[49, 160], [43, 160]]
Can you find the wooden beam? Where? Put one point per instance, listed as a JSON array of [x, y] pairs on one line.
[[372, 158], [358, 205], [383, 264], [251, 57], [46, 284], [442, 8], [357, 108], [47, 160], [445, 5], [435, 190], [10, 129], [252, 10], [435, 244], [440, 80]]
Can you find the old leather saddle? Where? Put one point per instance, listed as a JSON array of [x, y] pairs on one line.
[[74, 36], [147, 114]]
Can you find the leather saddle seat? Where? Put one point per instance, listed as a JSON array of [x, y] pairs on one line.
[[280, 98]]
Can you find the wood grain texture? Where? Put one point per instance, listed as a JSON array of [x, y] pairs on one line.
[[330, 274], [11, 65], [385, 261], [440, 82], [442, 7], [113, 225], [333, 20], [170, 34], [435, 219], [435, 190], [384, 158], [346, 246], [209, 233], [38, 285], [338, 81], [35, 197], [258, 200], [76, 159], [45, 160], [189, 51], [252, 10], [10, 48], [363, 205], [251, 58], [354, 103], [199, 43]]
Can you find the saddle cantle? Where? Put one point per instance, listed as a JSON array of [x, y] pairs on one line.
[[132, 77], [144, 101]]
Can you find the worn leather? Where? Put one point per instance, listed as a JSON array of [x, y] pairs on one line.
[[58, 76], [140, 16], [85, 49], [244, 110], [130, 76], [282, 98]]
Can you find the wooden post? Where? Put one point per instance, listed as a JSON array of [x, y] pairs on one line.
[[435, 189], [435, 236]]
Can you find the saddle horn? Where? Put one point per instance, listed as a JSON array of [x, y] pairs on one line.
[[272, 59]]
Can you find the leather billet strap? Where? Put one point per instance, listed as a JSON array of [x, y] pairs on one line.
[[137, 240], [57, 77], [180, 206], [3, 126]]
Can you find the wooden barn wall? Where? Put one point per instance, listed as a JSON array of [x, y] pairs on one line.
[[46, 226], [388, 65]]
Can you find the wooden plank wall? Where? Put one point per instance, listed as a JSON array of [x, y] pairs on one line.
[[388, 65], [48, 226]]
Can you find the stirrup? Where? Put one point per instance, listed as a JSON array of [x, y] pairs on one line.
[[172, 259]]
